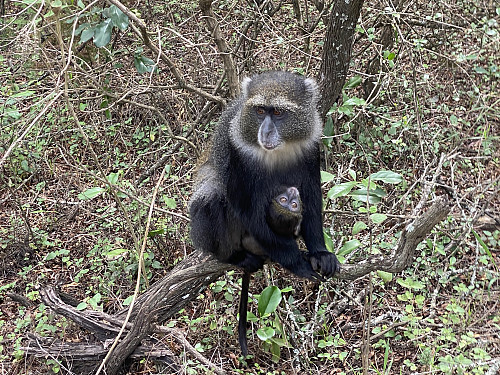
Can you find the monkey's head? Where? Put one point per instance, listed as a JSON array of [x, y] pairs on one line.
[[278, 119], [285, 212]]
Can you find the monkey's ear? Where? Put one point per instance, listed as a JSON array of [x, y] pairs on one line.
[[244, 86], [312, 90]]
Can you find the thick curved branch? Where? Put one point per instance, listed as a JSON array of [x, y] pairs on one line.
[[402, 255]]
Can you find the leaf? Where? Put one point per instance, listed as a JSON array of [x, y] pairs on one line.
[[341, 190], [113, 177], [269, 300], [81, 306], [91, 193], [102, 34], [328, 129], [119, 18], [354, 101], [128, 300], [378, 218], [484, 246], [385, 276], [326, 177], [353, 82], [349, 247], [358, 227], [87, 34], [352, 173], [265, 333], [23, 94], [388, 177], [364, 195], [409, 283], [114, 253], [328, 242], [154, 233], [143, 64], [171, 203]]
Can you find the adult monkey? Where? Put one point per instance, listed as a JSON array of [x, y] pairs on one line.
[[267, 138]]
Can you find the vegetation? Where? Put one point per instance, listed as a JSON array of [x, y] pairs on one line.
[[94, 115]]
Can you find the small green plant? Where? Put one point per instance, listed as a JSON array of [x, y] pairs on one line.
[[271, 329]]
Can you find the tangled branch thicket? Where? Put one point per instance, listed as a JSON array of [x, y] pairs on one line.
[[84, 138]]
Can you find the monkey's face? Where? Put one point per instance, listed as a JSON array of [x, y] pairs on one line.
[[290, 200], [278, 119]]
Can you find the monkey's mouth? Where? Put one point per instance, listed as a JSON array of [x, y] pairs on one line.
[[269, 146]]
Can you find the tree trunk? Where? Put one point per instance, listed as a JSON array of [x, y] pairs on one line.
[[337, 51]]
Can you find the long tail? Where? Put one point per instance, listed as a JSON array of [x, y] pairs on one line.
[[242, 324]]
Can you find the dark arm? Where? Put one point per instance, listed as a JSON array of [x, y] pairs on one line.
[[312, 223]]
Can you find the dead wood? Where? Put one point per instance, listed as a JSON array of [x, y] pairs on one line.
[[184, 283]]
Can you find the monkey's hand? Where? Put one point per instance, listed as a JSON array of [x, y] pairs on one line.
[[325, 263]]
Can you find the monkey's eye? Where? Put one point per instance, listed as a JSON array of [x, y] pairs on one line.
[[260, 110], [294, 205], [277, 112], [283, 200]]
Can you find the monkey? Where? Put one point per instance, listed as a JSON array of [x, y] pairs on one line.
[[284, 217], [285, 213], [267, 138]]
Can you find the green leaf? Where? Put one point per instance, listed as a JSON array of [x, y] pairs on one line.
[[91, 193], [87, 34], [326, 177], [388, 177], [113, 177], [480, 70], [341, 190], [143, 64], [23, 94], [128, 300], [354, 101], [102, 34], [364, 195], [391, 56], [81, 306], [358, 227], [265, 333], [385, 276], [153, 233], [349, 247], [352, 173], [269, 300], [353, 82], [409, 283], [171, 203], [328, 241], [484, 246], [328, 128], [115, 252], [378, 218], [119, 18]]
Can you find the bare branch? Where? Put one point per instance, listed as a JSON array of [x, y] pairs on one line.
[[143, 33], [213, 26]]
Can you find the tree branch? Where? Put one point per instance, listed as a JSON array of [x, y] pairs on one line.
[[187, 280]]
